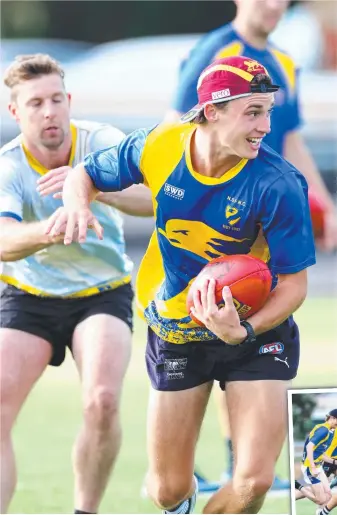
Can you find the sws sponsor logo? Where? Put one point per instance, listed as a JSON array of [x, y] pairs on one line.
[[272, 348]]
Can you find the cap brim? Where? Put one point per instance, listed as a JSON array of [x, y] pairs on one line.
[[191, 114]]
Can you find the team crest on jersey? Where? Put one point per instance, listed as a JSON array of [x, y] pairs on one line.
[[272, 348], [230, 213]]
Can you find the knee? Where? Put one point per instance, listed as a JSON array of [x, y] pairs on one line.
[[324, 498], [255, 483], [101, 408], [168, 492]]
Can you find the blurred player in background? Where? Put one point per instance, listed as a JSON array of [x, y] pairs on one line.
[[330, 461], [248, 35], [57, 297], [197, 172], [316, 445]]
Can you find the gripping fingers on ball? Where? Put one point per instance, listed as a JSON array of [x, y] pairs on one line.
[[197, 302], [227, 297], [203, 294], [211, 301]]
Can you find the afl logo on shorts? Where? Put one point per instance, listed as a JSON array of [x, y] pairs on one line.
[[272, 348]]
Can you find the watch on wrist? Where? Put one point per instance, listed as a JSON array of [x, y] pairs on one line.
[[251, 336]]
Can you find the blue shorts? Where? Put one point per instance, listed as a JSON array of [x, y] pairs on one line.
[[172, 367]]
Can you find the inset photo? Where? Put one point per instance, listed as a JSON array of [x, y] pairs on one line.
[[313, 451]]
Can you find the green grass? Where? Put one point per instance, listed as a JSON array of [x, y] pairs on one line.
[[49, 421], [305, 507]]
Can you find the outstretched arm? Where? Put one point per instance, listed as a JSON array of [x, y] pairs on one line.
[[110, 170]]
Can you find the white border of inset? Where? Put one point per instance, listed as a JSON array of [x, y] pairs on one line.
[[291, 435]]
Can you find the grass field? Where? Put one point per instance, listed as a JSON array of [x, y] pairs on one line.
[[306, 507], [50, 419]]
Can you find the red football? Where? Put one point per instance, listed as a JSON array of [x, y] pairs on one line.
[[249, 279], [317, 212]]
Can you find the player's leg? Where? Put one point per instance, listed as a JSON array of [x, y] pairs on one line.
[[23, 358], [318, 489], [329, 506], [258, 420], [174, 421], [26, 347], [101, 348], [222, 410], [304, 492], [181, 378]]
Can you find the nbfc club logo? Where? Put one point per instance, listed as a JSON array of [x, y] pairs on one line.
[[272, 348]]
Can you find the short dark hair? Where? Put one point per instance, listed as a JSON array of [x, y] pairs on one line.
[[260, 78]]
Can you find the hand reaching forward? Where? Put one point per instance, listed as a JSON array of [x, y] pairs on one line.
[[74, 224]]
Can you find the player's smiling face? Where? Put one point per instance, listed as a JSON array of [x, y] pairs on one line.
[[41, 108], [242, 126]]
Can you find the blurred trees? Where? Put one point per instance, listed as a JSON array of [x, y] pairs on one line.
[[99, 21], [303, 406]]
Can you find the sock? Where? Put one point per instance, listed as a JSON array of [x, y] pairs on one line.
[[298, 485], [229, 447], [183, 507], [325, 511], [79, 511]]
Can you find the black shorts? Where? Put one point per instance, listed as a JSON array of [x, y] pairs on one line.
[[172, 367], [329, 469], [55, 319]]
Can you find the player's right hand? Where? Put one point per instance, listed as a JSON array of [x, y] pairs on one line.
[[74, 224]]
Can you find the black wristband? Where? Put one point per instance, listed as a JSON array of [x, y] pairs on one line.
[[251, 336]]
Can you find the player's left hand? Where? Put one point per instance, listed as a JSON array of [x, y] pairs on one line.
[[329, 240], [223, 322], [52, 182]]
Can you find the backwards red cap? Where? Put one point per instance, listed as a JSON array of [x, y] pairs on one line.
[[227, 79]]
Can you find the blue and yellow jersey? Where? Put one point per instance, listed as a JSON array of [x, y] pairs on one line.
[[321, 436], [259, 207], [225, 42], [58, 270], [332, 449]]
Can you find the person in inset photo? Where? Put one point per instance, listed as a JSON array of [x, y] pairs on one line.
[[319, 466]]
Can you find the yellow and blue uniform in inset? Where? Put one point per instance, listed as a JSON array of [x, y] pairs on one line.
[[62, 271], [321, 436], [225, 42], [331, 451], [259, 207]]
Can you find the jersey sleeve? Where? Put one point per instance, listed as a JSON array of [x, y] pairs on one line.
[[11, 191], [118, 167], [286, 223], [293, 115], [200, 56], [320, 434]]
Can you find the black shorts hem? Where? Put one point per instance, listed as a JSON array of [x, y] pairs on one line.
[[55, 319]]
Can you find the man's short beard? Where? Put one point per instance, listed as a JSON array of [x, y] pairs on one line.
[[54, 143]]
